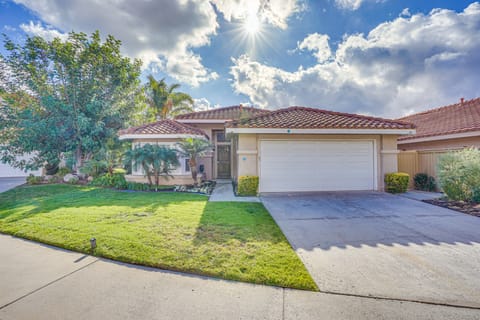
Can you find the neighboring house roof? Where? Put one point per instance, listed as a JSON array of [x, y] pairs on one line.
[[462, 117], [311, 118], [227, 113], [161, 129]]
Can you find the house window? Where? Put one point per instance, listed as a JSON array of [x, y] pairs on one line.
[[220, 136], [187, 165]]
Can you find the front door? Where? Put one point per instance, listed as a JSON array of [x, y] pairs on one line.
[[223, 161]]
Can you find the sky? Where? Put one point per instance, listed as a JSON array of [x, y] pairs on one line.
[[384, 58]]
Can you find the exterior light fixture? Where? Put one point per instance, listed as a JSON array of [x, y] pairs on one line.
[[93, 243]]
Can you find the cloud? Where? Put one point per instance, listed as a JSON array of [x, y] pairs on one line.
[[274, 12], [401, 66], [202, 104], [37, 29], [348, 4], [318, 44], [161, 33]]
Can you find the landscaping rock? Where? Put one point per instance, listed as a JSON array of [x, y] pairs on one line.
[[90, 179], [70, 178]]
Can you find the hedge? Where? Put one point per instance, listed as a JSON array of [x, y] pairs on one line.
[[396, 182], [247, 186]]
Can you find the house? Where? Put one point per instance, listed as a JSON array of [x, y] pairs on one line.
[[446, 128], [439, 131], [292, 149]]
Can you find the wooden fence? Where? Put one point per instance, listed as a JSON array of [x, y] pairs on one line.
[[413, 162]]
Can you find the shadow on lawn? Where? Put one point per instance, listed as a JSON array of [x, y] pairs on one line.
[[224, 221], [47, 198]]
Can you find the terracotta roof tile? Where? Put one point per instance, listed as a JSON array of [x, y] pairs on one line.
[[311, 118], [164, 127], [226, 113], [454, 118]]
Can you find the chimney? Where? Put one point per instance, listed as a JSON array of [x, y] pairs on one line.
[[462, 100]]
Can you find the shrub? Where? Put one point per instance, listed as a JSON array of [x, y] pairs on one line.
[[424, 182], [112, 180], [31, 179], [396, 182], [63, 172], [247, 186], [459, 174], [94, 168]]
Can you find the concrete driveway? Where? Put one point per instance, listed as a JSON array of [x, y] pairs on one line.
[[9, 183], [379, 245]]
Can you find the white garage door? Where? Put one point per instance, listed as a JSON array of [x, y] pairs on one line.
[[316, 165]]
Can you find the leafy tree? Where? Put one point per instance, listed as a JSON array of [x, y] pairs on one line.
[[76, 94], [155, 160], [163, 101], [194, 148]]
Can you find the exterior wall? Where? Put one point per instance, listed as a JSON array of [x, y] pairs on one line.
[[180, 175], [210, 159], [248, 149], [180, 179], [449, 144]]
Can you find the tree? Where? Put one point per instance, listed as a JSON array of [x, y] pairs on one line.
[[80, 92], [193, 148], [155, 160], [163, 101]]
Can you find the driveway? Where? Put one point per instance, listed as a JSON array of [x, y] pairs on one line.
[[9, 183], [380, 245]]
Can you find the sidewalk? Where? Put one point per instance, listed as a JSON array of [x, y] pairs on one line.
[[43, 282], [224, 192]]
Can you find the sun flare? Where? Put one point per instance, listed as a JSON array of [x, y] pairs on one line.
[[252, 24]]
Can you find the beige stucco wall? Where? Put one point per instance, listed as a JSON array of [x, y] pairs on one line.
[[449, 144], [179, 179], [207, 160], [249, 145]]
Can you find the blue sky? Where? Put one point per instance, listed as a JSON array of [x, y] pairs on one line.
[[379, 57]]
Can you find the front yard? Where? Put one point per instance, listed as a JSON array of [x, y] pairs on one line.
[[175, 231]]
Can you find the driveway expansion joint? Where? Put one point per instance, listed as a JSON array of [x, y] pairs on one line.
[[400, 300], [48, 284]]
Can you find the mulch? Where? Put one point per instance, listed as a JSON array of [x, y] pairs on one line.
[[465, 207]]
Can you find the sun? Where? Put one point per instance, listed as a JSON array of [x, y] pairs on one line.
[[252, 24]]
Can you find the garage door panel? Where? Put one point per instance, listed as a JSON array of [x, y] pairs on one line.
[[316, 166]]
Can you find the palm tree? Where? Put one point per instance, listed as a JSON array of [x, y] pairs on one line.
[[193, 148], [164, 102]]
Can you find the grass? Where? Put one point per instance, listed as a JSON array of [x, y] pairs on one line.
[[175, 231]]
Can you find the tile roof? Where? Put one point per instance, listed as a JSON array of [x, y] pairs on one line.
[[455, 118], [226, 113], [165, 126], [311, 118]]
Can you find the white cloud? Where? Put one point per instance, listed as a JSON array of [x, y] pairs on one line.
[[275, 12], [37, 29], [161, 33], [401, 66], [202, 104], [318, 44], [349, 4]]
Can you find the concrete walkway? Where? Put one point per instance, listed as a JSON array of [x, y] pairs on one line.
[[421, 195], [42, 282], [10, 183], [224, 192]]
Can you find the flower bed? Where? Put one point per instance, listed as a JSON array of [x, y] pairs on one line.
[[470, 208]]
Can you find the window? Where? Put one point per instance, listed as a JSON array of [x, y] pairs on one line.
[[187, 165], [220, 136]]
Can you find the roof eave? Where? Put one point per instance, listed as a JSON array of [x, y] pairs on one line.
[[202, 120], [468, 134], [133, 136], [321, 131]]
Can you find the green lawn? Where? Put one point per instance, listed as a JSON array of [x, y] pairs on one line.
[[175, 231]]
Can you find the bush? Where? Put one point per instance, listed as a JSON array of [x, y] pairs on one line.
[[247, 186], [63, 172], [396, 182], [94, 168], [112, 180], [459, 174], [424, 182], [31, 179]]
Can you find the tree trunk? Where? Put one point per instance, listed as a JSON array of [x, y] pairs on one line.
[[78, 159], [193, 170]]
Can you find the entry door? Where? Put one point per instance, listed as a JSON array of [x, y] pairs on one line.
[[333, 165], [223, 161]]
